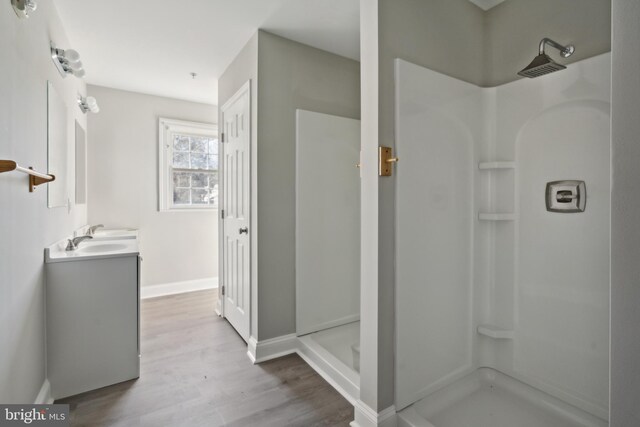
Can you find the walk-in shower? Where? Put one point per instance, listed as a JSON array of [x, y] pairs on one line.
[[328, 246], [502, 272], [543, 64]]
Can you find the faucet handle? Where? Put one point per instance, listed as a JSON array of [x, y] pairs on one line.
[[91, 230], [70, 245]]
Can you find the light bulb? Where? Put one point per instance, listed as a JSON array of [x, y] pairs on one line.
[[90, 103], [24, 7], [71, 56], [78, 73], [75, 65]]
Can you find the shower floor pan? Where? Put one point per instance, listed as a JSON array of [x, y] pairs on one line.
[[488, 398]]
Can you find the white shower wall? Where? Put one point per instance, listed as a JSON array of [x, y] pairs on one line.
[[541, 278], [440, 136], [327, 221]]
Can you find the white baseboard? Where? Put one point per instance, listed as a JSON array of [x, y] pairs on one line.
[[365, 416], [319, 359], [44, 396], [261, 351], [164, 289]]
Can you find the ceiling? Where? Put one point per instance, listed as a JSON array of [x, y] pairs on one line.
[[152, 46]]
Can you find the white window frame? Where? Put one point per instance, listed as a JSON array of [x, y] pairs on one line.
[[167, 128]]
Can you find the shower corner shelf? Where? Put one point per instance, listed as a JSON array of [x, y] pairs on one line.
[[494, 332], [496, 165], [494, 216]]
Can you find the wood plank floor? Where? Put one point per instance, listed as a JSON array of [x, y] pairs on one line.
[[195, 372]]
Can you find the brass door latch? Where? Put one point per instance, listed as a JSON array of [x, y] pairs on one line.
[[386, 161]]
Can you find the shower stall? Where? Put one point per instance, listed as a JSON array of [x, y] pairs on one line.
[[328, 247], [502, 247]]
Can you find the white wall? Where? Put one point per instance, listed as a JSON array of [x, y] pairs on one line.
[[123, 185], [565, 115], [440, 135], [369, 308], [625, 233], [26, 224]]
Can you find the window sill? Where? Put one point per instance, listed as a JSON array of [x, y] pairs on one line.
[[171, 210]]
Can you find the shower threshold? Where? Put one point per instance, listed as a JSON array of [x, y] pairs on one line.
[[330, 353], [488, 398]]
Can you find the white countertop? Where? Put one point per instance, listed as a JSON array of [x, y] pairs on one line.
[[90, 249]]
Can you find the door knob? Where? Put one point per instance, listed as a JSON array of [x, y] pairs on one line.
[[244, 230]]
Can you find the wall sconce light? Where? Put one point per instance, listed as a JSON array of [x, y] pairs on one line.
[[88, 104], [24, 7], [67, 61]]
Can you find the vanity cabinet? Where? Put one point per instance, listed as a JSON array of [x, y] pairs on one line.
[[93, 318]]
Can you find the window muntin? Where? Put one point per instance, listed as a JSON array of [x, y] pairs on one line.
[[187, 166], [194, 170]]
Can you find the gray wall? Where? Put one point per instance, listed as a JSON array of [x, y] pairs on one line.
[[26, 224], [243, 67], [625, 232], [285, 76], [514, 29], [123, 191], [290, 76]]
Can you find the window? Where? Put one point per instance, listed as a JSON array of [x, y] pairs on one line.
[[188, 167]]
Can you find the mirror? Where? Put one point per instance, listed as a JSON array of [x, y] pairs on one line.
[[58, 195], [81, 165]]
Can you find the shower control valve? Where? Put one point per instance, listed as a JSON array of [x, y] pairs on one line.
[[566, 196]]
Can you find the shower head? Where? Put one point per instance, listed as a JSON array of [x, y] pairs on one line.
[[540, 66], [543, 64]]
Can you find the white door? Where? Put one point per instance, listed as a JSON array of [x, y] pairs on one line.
[[236, 277]]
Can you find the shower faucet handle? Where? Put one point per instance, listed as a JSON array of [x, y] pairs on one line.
[[565, 196]]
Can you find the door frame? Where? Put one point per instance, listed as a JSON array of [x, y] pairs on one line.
[[220, 306]]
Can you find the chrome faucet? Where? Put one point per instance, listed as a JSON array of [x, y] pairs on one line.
[[91, 230], [72, 245]]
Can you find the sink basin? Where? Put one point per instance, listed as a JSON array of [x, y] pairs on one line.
[[105, 247]]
